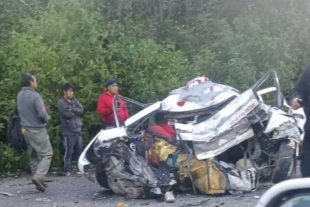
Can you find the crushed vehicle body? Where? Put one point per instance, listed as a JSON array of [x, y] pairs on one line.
[[216, 140]]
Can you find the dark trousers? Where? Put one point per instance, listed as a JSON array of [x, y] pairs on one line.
[[305, 157], [73, 146]]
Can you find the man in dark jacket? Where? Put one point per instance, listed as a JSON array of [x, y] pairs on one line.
[[33, 118], [301, 98], [70, 111]]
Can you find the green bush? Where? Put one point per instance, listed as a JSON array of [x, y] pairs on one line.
[[150, 46], [11, 161], [63, 45]]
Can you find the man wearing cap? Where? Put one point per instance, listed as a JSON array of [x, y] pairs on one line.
[[105, 106]]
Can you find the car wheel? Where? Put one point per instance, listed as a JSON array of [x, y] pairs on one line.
[[102, 178], [284, 163]]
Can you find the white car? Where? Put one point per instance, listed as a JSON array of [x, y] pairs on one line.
[[289, 193], [212, 119]]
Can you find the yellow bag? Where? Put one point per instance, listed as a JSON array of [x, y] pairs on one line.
[[159, 150], [207, 177], [163, 148]]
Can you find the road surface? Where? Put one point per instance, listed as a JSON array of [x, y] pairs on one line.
[[77, 191]]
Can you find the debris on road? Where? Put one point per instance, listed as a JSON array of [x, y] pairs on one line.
[[43, 199], [198, 203], [120, 204], [6, 194]]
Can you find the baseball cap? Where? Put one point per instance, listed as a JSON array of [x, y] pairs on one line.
[[110, 81]]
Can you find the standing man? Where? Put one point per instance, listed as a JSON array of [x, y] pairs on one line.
[[70, 111], [301, 98], [33, 117], [105, 106]]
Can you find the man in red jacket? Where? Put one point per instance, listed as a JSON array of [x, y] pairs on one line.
[[105, 106]]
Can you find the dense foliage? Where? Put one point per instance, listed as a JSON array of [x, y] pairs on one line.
[[150, 46]]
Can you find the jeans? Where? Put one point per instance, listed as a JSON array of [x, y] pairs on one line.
[[73, 146]]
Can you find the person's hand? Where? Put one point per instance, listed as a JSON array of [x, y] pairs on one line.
[[47, 107], [296, 103], [118, 105]]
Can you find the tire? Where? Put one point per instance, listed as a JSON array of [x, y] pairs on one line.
[[102, 178], [284, 164]]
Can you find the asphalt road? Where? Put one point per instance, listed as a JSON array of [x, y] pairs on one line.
[[77, 191]]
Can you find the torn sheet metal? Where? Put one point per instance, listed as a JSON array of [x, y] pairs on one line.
[[225, 129], [282, 125], [231, 116], [287, 129], [199, 93], [260, 113]]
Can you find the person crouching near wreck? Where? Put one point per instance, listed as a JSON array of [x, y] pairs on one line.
[[33, 118]]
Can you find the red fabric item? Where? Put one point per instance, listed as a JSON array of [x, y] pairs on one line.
[[164, 130], [105, 109], [181, 103]]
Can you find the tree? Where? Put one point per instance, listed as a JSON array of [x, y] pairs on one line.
[[65, 44]]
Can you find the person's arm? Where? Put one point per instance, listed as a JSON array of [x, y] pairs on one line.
[[65, 110], [102, 109], [301, 90], [78, 108], [126, 112], [40, 108]]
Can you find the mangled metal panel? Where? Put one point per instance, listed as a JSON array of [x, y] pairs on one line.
[[199, 93], [127, 173], [282, 125], [228, 127]]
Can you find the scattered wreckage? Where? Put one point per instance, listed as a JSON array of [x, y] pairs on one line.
[[224, 142]]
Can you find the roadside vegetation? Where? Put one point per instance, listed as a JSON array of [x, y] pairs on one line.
[[150, 46]]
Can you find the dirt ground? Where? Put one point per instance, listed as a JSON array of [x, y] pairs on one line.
[[77, 191]]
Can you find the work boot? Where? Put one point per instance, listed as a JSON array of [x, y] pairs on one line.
[[45, 184], [39, 185]]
